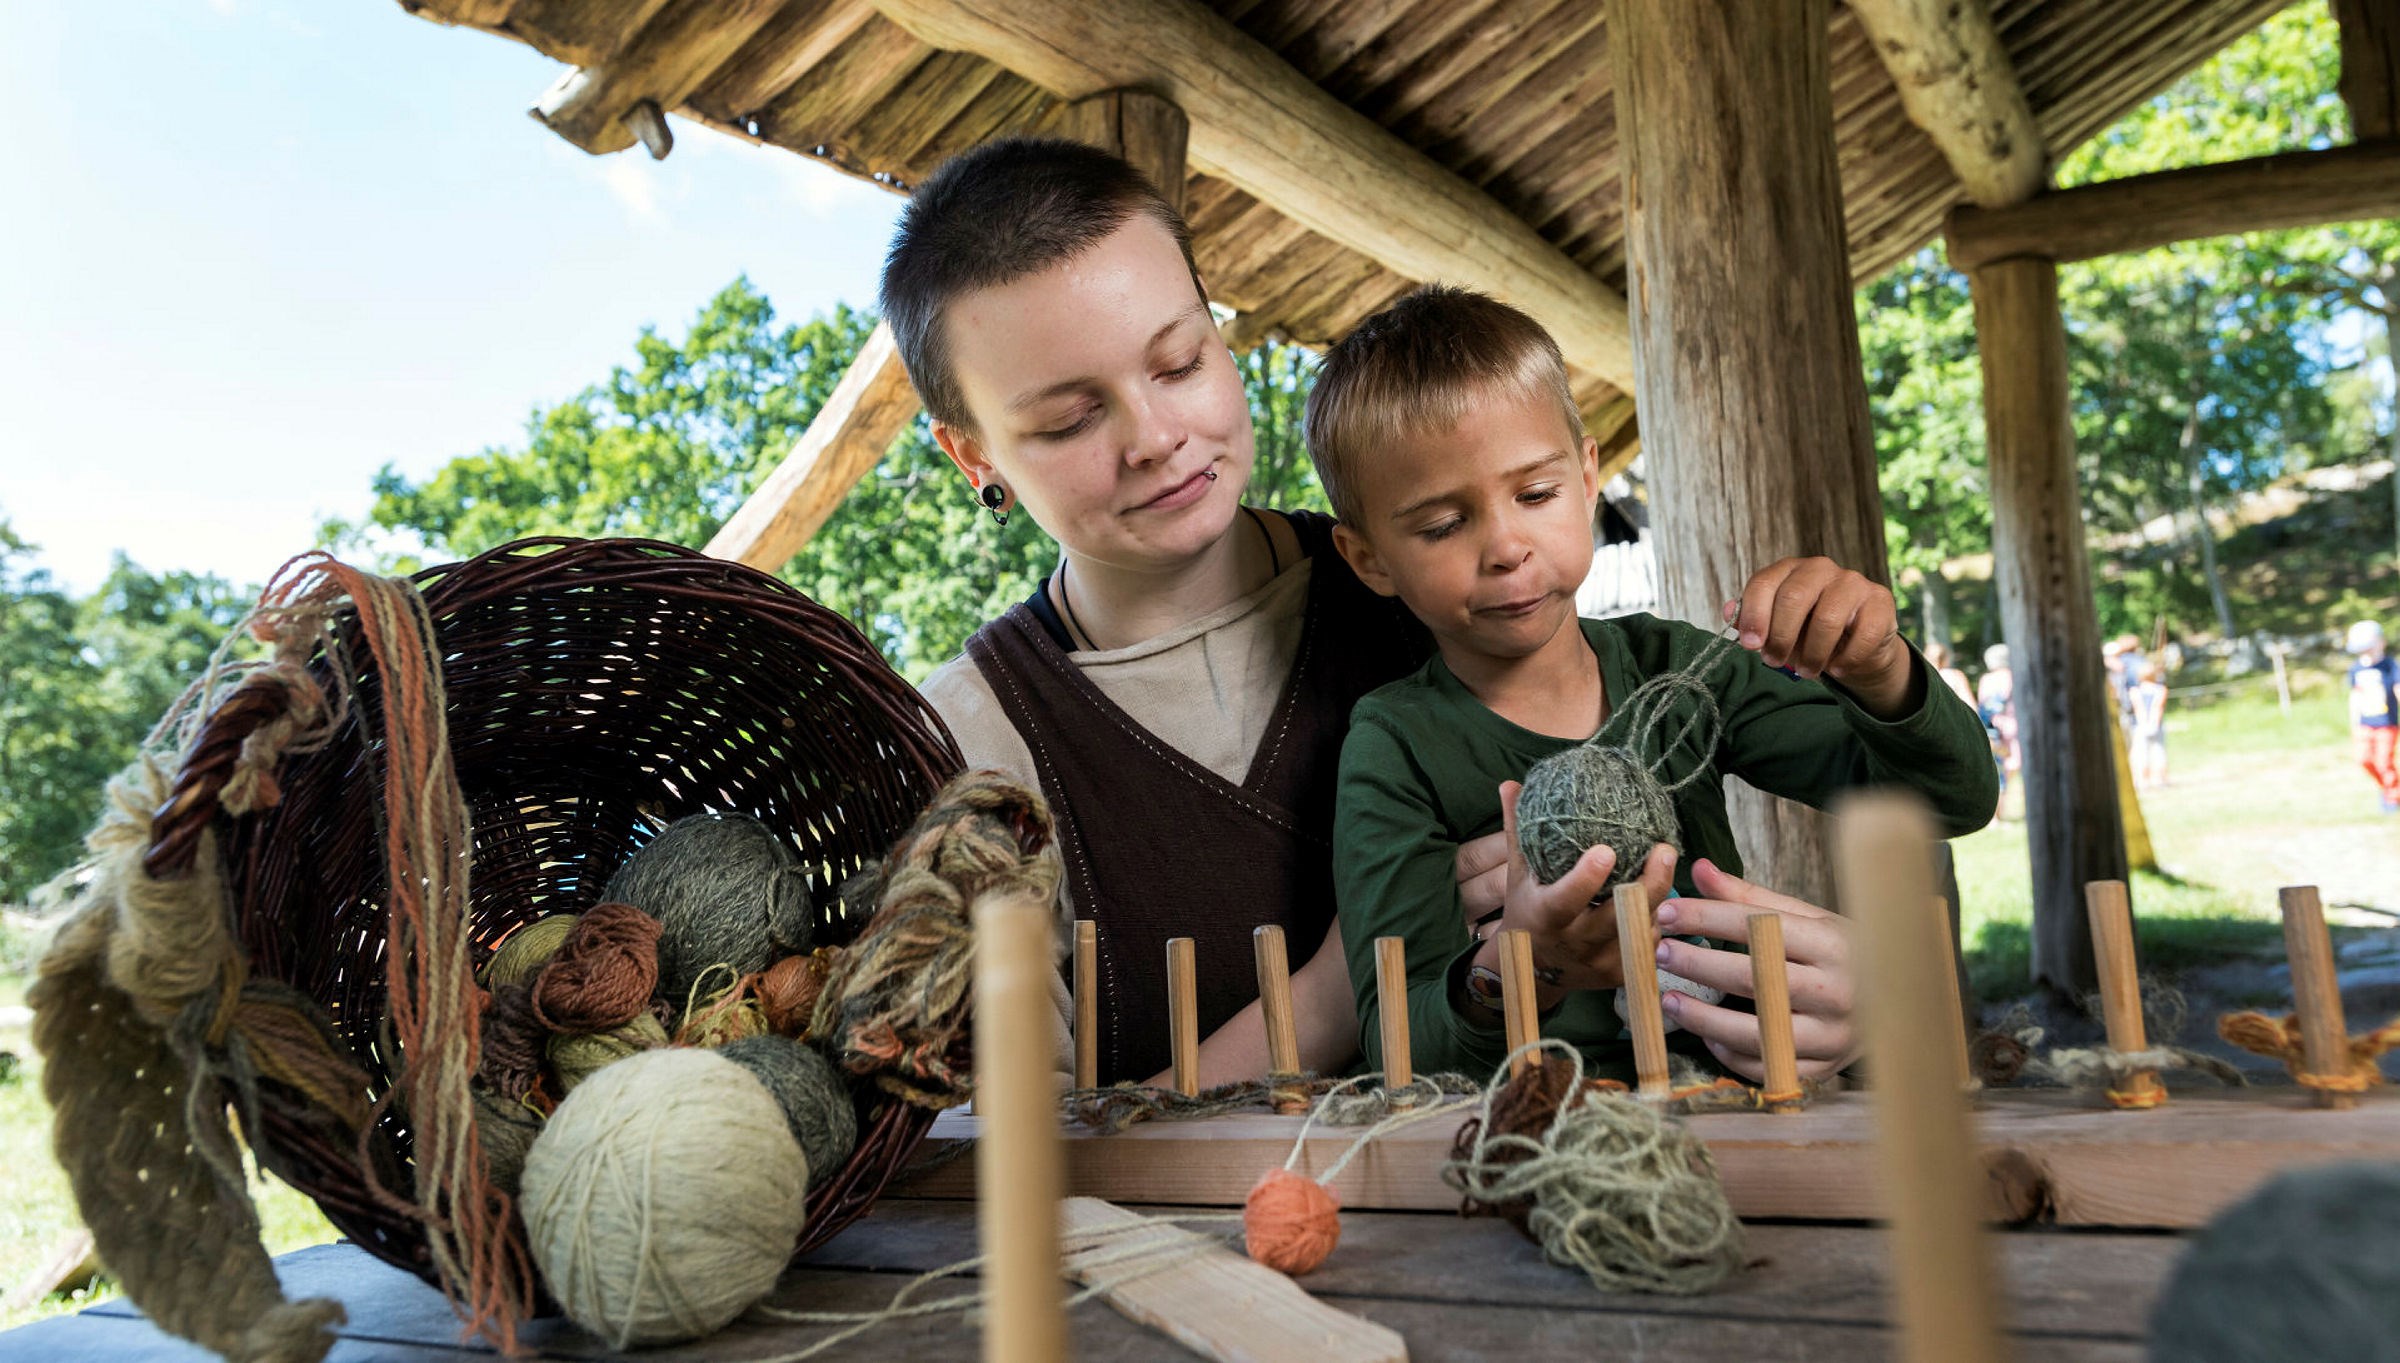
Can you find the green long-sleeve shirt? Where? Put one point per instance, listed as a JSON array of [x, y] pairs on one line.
[[1423, 763]]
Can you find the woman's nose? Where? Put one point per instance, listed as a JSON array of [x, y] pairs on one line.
[[1157, 432]]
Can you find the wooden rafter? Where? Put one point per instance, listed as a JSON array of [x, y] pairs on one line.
[[2370, 82], [1258, 123], [659, 67], [1957, 84], [2293, 189]]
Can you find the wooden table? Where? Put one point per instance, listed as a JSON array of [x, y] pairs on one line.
[[1456, 1289]]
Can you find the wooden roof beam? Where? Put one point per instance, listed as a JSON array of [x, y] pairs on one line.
[[2370, 82], [1259, 124], [606, 108], [1957, 84], [2264, 193]]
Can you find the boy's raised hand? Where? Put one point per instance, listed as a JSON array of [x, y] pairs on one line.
[[1820, 619], [1572, 935]]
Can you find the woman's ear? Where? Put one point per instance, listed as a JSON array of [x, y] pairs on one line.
[[967, 453], [1363, 560]]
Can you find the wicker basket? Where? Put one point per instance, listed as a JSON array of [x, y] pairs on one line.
[[597, 691]]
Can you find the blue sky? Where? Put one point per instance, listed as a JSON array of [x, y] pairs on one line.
[[256, 249]]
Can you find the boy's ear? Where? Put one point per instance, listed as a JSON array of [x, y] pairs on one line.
[[967, 453], [1591, 478], [1363, 560]]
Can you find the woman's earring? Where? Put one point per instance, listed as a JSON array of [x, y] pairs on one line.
[[993, 496]]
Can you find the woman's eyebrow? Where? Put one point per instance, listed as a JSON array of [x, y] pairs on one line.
[[1066, 386]]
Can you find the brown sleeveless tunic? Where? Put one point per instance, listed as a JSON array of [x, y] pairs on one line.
[[1158, 846]]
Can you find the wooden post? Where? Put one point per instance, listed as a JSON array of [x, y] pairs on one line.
[[1962, 1027], [1746, 359], [1019, 1167], [1637, 947], [2063, 716], [2316, 991], [1087, 1003], [1275, 1002], [2121, 988], [1933, 1184], [2370, 79], [1772, 992], [1521, 1009], [1391, 999], [1183, 1015]]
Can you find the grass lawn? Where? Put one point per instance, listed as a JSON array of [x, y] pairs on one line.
[[2257, 799]]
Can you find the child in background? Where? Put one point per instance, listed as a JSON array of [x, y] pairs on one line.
[[2148, 703], [1996, 701], [1938, 656], [1450, 446], [2375, 710]]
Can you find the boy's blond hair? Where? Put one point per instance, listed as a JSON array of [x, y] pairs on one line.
[[1418, 366]]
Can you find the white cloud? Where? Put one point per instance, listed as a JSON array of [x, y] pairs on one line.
[[224, 7], [632, 179]]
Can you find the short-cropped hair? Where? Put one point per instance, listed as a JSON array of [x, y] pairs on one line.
[[990, 217], [1418, 366]]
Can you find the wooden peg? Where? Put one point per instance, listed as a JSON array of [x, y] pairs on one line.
[[1275, 1001], [1637, 939], [1520, 1007], [1019, 1165], [1771, 988], [2111, 914], [1933, 1185], [1391, 998], [2316, 992], [1183, 1014], [1087, 1003], [1963, 1028]]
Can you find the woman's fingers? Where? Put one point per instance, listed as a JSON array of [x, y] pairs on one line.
[[1715, 882], [1736, 1033]]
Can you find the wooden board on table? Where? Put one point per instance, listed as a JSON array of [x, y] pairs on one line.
[[2050, 1155]]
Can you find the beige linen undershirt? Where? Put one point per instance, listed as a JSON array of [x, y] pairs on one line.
[[1208, 689]]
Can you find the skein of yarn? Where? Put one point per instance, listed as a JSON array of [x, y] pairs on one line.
[[505, 1131], [815, 1101], [727, 892], [523, 953], [603, 973], [2303, 1268], [788, 992], [577, 1056], [664, 1197]]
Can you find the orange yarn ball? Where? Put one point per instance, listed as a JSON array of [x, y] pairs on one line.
[[1290, 1223]]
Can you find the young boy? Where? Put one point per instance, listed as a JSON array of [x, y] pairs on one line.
[[1451, 448]]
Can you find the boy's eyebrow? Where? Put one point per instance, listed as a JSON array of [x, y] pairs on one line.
[[1065, 386], [1531, 466]]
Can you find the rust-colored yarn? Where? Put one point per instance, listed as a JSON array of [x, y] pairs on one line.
[[1525, 1106], [603, 973], [513, 1043], [787, 992], [1290, 1222]]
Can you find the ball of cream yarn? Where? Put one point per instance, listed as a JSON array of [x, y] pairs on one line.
[[664, 1197]]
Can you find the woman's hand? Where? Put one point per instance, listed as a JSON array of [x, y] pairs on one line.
[[1571, 934], [1816, 947]]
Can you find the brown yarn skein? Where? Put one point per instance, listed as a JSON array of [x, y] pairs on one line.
[[788, 992], [1525, 1106], [603, 973], [513, 1042]]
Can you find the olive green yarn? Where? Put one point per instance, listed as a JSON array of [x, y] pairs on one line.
[[576, 1056], [728, 892], [523, 953], [823, 1115]]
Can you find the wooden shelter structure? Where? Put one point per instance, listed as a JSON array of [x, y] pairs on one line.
[[1683, 191]]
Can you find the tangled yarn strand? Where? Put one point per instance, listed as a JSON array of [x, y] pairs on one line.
[[1639, 723]]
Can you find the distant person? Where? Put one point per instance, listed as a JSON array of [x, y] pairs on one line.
[[2375, 710], [2122, 657], [1946, 669], [1996, 701], [2149, 705]]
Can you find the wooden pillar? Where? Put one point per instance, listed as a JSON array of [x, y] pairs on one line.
[[2064, 714], [2370, 80], [1746, 362]]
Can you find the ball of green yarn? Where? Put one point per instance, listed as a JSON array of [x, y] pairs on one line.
[[2303, 1268], [728, 893], [1589, 796], [505, 1131], [576, 1056], [523, 953], [823, 1117], [664, 1197]]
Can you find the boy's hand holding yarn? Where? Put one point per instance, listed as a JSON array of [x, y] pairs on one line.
[[1816, 946], [1574, 937], [1820, 619]]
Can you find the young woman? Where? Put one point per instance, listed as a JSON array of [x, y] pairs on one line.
[[1180, 686]]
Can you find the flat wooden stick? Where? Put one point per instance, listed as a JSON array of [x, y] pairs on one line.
[[1520, 1007], [1637, 945], [1275, 1001], [1217, 1303], [1964, 1027], [1087, 1003], [2316, 991], [1391, 999], [1933, 1185], [1018, 1164], [1183, 1014], [1771, 989], [2111, 914]]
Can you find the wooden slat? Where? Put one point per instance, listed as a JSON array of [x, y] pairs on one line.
[[579, 32], [2057, 1154], [2370, 81], [859, 74], [663, 64], [803, 34], [1958, 85], [1256, 122], [483, 14], [2293, 189]]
